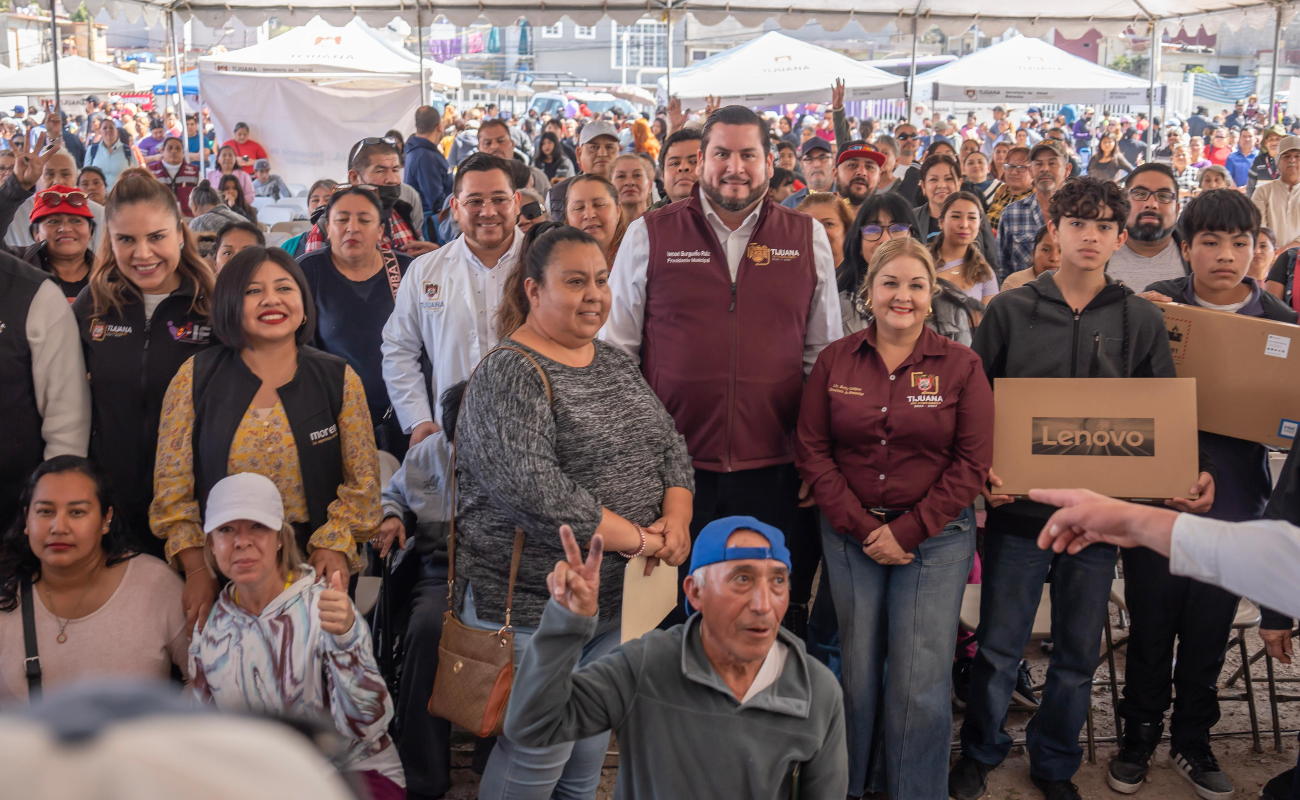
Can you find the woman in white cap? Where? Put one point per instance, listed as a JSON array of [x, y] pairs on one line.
[[279, 640]]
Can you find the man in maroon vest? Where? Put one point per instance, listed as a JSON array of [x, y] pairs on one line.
[[726, 298]]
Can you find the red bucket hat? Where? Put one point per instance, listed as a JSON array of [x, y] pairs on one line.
[[60, 199]]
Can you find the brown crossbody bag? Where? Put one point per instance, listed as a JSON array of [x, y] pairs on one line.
[[477, 667]]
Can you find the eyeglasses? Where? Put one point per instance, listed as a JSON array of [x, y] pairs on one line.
[[872, 233], [818, 160], [1163, 196], [1015, 167], [499, 203], [343, 187], [903, 137], [53, 199]]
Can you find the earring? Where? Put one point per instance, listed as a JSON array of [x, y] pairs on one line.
[[869, 304], [929, 313]]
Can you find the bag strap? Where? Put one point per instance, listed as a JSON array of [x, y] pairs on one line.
[[32, 664], [517, 555], [393, 270]]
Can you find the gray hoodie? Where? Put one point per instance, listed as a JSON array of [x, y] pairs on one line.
[[681, 732]]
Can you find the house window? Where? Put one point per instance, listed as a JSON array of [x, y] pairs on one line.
[[584, 31], [553, 31], [1228, 71], [647, 45], [700, 55]]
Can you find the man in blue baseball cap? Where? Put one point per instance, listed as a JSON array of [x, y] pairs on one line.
[[695, 706]]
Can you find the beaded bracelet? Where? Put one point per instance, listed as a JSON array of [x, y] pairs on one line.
[[640, 550]]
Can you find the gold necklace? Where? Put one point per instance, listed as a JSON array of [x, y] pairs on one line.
[[63, 637]]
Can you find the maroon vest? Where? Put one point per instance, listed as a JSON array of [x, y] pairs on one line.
[[727, 359]]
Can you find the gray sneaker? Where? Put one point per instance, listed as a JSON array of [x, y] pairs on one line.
[[1196, 763]]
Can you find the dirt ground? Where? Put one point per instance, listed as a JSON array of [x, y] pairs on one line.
[[1233, 744]]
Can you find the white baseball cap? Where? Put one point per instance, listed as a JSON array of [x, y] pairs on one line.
[[244, 495]]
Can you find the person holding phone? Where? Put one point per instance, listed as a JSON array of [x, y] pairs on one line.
[[247, 151]]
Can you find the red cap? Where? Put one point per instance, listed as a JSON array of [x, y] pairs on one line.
[[861, 151], [58, 204]]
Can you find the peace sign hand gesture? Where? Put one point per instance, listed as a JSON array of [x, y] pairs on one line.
[[573, 583], [29, 164]]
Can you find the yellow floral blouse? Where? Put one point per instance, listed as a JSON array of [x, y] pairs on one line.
[[264, 444]]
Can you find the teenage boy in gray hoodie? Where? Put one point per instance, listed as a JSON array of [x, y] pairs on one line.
[[1072, 323]]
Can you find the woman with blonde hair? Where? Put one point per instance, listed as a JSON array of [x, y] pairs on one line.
[[643, 140], [284, 638], [634, 180], [591, 205], [834, 215], [897, 549], [145, 311]]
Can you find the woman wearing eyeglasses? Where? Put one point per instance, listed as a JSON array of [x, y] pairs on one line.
[[354, 284], [145, 311], [883, 218]]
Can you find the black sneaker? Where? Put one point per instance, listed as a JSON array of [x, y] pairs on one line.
[[1129, 767], [1280, 788], [961, 681], [1196, 763], [1024, 691], [1057, 790], [968, 779]]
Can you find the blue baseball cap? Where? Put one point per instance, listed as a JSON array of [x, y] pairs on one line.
[[711, 545]]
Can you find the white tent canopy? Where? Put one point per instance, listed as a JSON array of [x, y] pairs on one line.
[[1031, 17], [353, 52], [311, 93], [775, 69], [78, 77], [1025, 70]]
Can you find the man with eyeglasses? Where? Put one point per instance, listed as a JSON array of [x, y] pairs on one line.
[[447, 308], [598, 146], [908, 140], [1152, 252], [818, 170], [1049, 166], [1017, 183]]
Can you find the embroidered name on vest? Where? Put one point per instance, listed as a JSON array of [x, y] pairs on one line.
[[689, 256], [99, 330], [324, 435]]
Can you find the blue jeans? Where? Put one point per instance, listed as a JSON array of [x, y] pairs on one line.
[[1014, 572], [569, 771], [896, 636]]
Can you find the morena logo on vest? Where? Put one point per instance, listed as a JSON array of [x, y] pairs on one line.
[[762, 255], [324, 435]]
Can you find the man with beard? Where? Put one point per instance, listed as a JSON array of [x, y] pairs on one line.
[[857, 170], [598, 146], [726, 299], [1152, 252], [1049, 164], [818, 164], [679, 164], [376, 163]]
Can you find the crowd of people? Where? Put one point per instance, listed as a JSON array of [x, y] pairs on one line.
[[757, 348]]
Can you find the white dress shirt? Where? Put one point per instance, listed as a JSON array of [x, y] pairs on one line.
[[1259, 560], [627, 283], [447, 304]]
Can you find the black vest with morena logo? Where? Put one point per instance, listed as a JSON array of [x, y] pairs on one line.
[[224, 388]]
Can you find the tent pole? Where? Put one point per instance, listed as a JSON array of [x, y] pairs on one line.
[[54, 49], [1151, 94], [911, 78], [1277, 52], [180, 90], [419, 28], [668, 82]]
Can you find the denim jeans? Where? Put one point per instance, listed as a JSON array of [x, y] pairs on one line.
[[569, 771], [896, 636], [1014, 572]]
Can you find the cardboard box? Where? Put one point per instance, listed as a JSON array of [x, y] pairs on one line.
[[1133, 438], [1248, 376]]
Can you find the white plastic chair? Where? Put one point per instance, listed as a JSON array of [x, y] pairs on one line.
[[298, 189], [273, 214]]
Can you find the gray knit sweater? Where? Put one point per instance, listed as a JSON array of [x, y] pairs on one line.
[[608, 442]]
